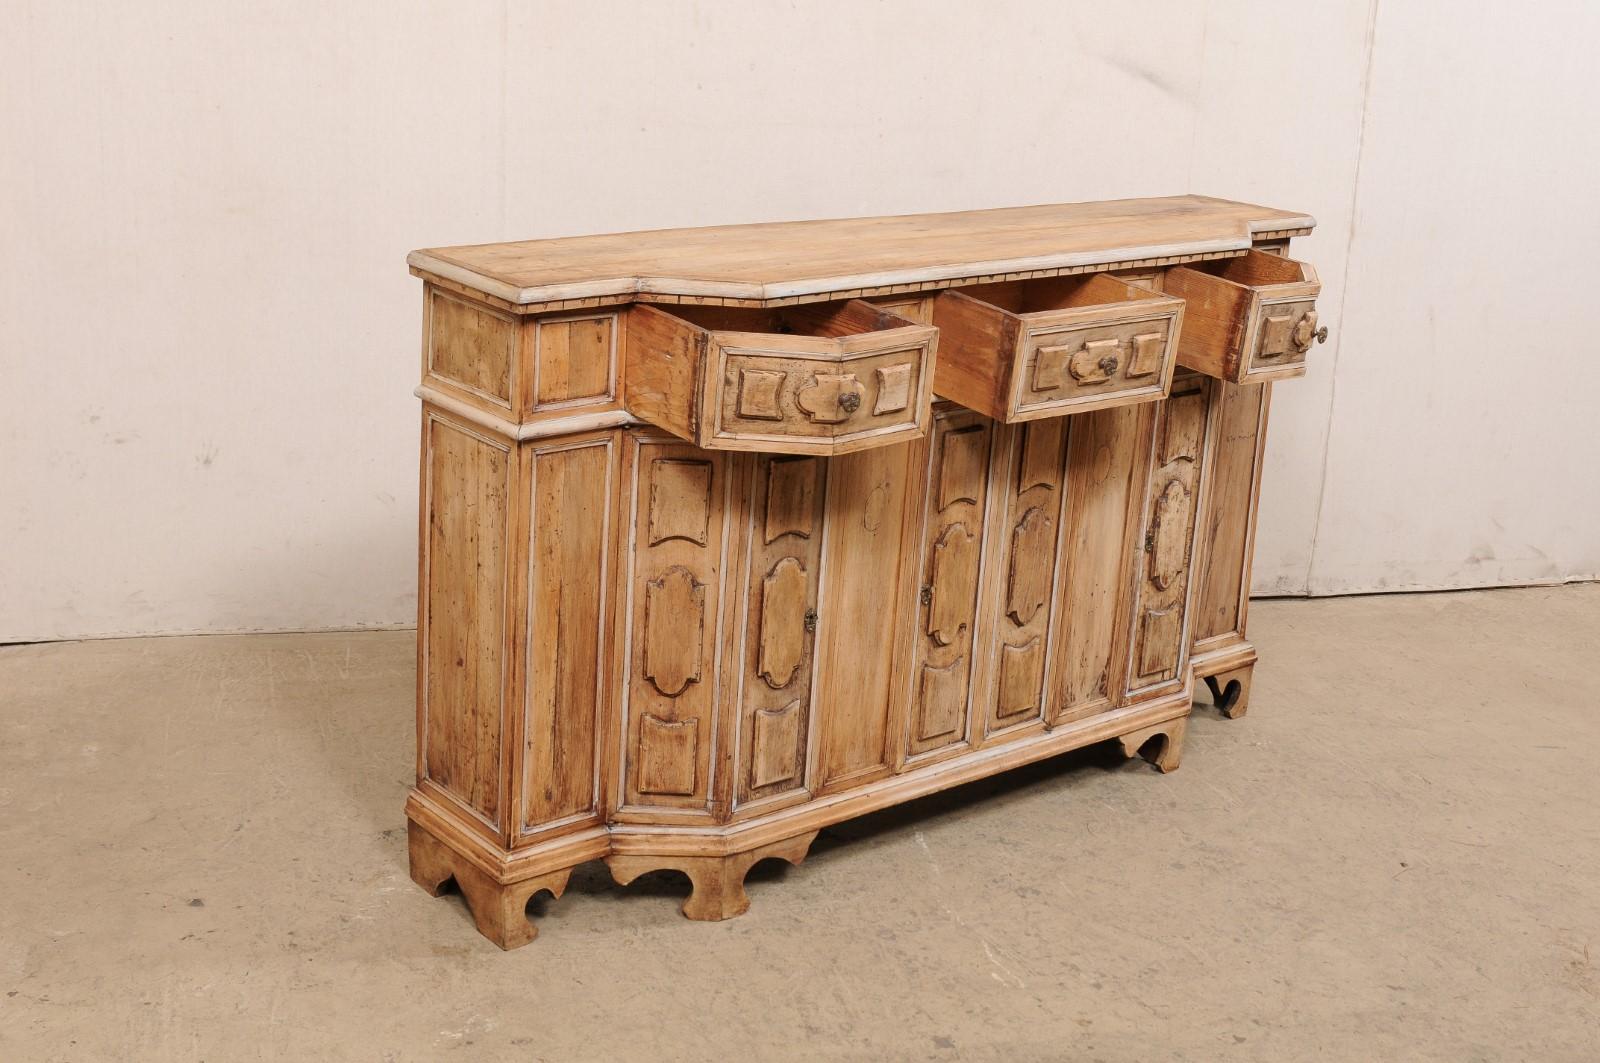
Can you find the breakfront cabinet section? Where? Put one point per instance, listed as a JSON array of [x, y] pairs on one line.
[[727, 535]]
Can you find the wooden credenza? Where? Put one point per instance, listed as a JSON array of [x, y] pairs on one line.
[[729, 534]]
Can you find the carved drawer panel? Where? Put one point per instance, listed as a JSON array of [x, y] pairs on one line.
[[1022, 350], [784, 548], [1251, 318], [675, 580], [825, 378], [1165, 564], [942, 668]]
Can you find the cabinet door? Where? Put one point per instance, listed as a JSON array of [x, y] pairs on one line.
[[952, 547], [1026, 541], [1160, 649], [675, 583], [783, 551]]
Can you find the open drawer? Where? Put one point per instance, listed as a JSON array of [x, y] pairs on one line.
[[1250, 319], [1021, 350], [822, 378]]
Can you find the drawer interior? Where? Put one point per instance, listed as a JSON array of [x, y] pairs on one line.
[[1057, 293], [1254, 269], [829, 320]]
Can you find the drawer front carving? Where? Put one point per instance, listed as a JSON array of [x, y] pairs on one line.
[[817, 378], [1061, 365], [1165, 566], [1028, 535], [1284, 334], [784, 543], [1250, 318], [1051, 346], [959, 449], [770, 394], [675, 576]]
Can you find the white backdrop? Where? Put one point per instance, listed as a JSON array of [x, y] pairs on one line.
[[209, 338]]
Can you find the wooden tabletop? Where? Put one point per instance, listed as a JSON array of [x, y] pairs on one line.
[[784, 260]]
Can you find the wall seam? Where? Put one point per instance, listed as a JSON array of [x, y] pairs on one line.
[[1344, 298]]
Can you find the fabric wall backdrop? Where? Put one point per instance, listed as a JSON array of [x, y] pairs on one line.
[[210, 339]]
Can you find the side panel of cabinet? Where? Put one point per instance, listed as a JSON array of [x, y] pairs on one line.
[[1025, 558], [943, 664], [463, 620], [1107, 458], [1230, 514], [571, 485], [1160, 628], [674, 584], [868, 588], [782, 556]]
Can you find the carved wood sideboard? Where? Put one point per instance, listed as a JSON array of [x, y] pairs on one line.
[[728, 534]]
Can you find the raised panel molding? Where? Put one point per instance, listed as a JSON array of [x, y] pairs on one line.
[[1169, 535], [467, 504], [667, 755], [941, 697], [777, 647], [1041, 454], [680, 500], [1159, 631], [1162, 597], [1184, 428], [1146, 357], [774, 757], [962, 454], [674, 629], [1275, 334], [791, 498], [758, 394], [829, 398], [894, 388], [955, 578], [1032, 552], [1021, 675], [783, 619], [1096, 361]]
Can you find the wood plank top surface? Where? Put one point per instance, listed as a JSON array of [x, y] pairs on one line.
[[780, 260]]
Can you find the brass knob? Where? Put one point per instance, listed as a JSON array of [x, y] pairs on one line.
[[1108, 365], [850, 402], [1321, 334]]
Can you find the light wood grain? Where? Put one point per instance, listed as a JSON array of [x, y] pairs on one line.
[[784, 259], [650, 639], [1230, 310], [466, 498], [1025, 350]]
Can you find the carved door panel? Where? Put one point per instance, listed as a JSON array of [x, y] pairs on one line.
[[675, 583], [1027, 537], [784, 548], [1108, 457], [1167, 554], [957, 486]]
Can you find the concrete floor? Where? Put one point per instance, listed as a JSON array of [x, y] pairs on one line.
[[1395, 856]]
